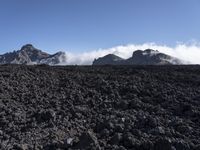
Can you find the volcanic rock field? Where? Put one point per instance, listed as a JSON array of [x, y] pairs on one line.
[[99, 107]]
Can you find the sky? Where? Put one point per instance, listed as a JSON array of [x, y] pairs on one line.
[[80, 26]]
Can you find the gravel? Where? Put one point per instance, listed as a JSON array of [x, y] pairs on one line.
[[100, 107]]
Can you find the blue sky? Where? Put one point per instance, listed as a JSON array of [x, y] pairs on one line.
[[83, 25]]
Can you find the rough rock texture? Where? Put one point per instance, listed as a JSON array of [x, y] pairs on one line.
[[136, 107]]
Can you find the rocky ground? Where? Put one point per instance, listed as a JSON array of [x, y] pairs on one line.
[[100, 108]]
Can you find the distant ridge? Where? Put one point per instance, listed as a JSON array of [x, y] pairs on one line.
[[139, 57], [108, 59], [28, 54]]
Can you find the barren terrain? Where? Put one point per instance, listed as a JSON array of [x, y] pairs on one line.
[[105, 107]]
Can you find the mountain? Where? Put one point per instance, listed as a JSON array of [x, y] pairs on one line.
[[151, 57], [110, 59], [28, 54], [139, 57]]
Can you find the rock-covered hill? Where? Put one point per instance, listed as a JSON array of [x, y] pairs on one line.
[[139, 57], [100, 108], [110, 59], [29, 55]]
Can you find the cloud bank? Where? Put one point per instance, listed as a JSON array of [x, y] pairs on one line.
[[187, 52]]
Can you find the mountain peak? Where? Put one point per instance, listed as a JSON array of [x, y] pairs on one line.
[[139, 57], [28, 54], [112, 56], [108, 59], [149, 52], [28, 47]]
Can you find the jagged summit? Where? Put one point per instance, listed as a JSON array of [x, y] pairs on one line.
[[149, 52], [27, 47], [140, 57], [28, 54]]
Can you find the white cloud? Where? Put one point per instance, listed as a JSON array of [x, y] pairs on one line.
[[187, 52]]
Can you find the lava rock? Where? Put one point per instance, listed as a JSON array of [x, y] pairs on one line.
[[99, 107], [88, 141], [116, 139], [164, 144]]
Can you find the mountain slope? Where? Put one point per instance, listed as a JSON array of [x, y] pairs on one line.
[[110, 59], [151, 57], [139, 57], [28, 54]]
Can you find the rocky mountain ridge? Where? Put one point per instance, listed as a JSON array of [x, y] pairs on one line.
[[139, 57], [30, 55]]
